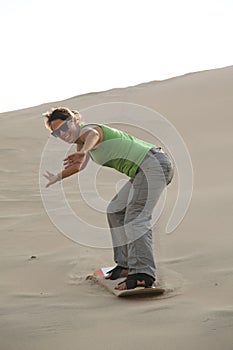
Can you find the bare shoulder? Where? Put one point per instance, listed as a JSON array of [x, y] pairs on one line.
[[90, 127]]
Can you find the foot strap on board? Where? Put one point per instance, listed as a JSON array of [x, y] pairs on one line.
[[118, 272], [131, 281]]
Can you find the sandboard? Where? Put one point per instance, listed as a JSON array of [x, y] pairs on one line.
[[99, 277]]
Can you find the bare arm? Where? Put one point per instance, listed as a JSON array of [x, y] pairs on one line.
[[70, 167], [89, 139]]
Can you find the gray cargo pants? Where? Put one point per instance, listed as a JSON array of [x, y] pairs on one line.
[[130, 212]]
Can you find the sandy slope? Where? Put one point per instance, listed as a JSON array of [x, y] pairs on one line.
[[46, 303]]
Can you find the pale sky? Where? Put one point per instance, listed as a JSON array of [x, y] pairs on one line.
[[52, 49]]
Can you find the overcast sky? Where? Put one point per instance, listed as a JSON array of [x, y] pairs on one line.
[[52, 49]]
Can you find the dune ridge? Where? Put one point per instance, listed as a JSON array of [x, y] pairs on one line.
[[46, 301]]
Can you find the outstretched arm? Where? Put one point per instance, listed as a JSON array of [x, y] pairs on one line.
[[53, 178], [89, 139]]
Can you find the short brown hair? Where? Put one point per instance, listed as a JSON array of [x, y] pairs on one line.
[[61, 113]]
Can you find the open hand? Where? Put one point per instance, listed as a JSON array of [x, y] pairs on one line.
[[52, 178], [75, 158]]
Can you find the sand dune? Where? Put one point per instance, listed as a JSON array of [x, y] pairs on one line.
[[46, 303]]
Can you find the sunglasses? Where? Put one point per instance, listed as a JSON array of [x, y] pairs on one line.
[[64, 127]]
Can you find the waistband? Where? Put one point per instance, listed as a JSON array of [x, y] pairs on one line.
[[155, 150]]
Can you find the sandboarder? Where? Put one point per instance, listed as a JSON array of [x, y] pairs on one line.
[[129, 213]]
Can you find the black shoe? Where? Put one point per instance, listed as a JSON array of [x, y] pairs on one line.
[[117, 272], [132, 281]]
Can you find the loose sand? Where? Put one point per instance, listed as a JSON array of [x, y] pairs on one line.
[[47, 304]]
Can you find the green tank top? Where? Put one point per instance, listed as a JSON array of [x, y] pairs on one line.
[[119, 150]]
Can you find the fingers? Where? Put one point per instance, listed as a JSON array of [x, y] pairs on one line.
[[73, 159], [51, 178], [67, 164], [71, 156], [68, 160], [48, 175]]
